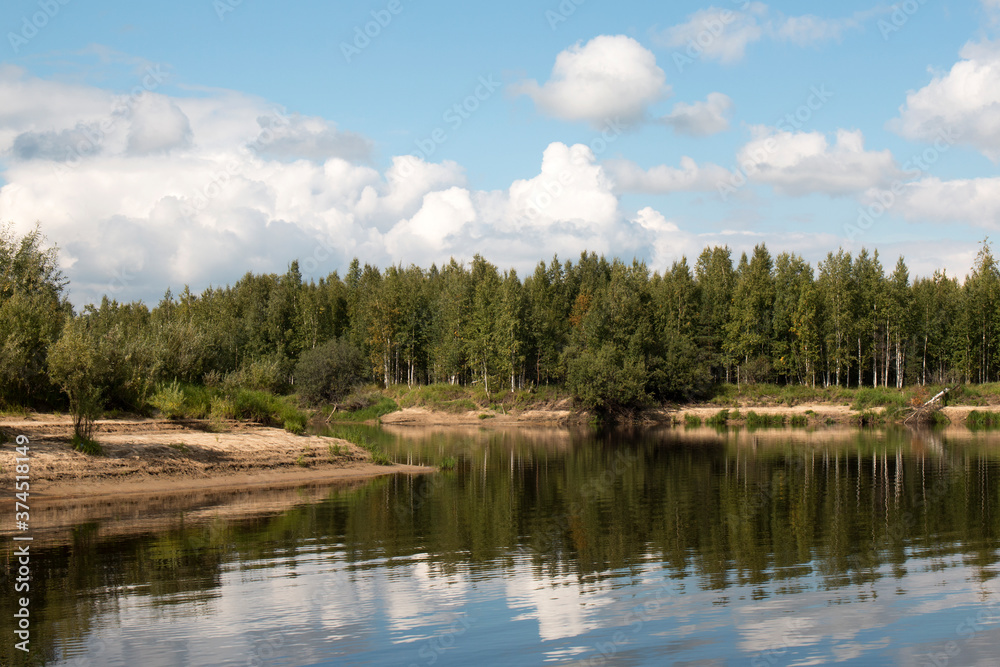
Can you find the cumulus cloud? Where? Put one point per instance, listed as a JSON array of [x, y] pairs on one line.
[[965, 101], [800, 163], [310, 137], [664, 179], [969, 200], [198, 191], [610, 76], [157, 126], [701, 118]]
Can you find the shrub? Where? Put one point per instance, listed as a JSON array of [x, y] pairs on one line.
[[692, 420], [755, 420], [799, 420], [86, 445], [169, 400], [720, 418], [328, 373], [982, 419], [607, 380]]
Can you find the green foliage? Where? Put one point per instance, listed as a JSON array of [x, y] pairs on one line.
[[448, 463], [692, 420], [169, 401], [755, 420], [606, 381], [799, 421], [982, 419], [360, 437], [720, 418], [76, 364], [86, 445], [328, 373], [871, 418], [869, 397]]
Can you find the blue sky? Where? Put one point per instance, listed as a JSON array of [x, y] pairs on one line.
[[188, 142]]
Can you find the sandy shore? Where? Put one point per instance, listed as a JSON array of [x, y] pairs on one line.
[[147, 456], [818, 414]]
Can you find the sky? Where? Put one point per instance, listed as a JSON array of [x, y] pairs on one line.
[[186, 143]]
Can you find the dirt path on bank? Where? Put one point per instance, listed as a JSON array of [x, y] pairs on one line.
[[147, 456]]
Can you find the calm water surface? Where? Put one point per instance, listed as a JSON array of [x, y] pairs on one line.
[[639, 547]]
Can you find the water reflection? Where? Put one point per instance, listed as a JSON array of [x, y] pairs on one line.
[[576, 547]]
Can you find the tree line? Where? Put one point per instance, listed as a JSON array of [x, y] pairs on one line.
[[616, 334]]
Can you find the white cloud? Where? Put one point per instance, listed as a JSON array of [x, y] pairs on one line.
[[723, 34], [197, 191], [971, 200], [701, 118], [663, 179], [608, 77], [799, 163], [965, 101], [717, 34], [157, 126], [310, 137]]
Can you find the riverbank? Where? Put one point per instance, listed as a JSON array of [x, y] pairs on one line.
[[152, 456], [563, 414]]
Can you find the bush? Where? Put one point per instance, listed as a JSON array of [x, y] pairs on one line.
[[268, 409], [263, 374], [86, 445], [328, 373], [720, 418], [606, 380], [169, 400], [755, 420], [692, 420], [982, 419]]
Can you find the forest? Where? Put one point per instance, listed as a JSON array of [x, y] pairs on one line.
[[615, 334]]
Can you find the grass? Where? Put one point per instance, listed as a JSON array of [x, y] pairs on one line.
[[982, 419], [176, 400], [720, 418], [452, 398], [358, 436], [798, 421], [363, 405], [692, 420], [179, 446], [755, 420], [484, 415], [448, 463], [866, 398], [303, 458], [87, 445], [871, 418]]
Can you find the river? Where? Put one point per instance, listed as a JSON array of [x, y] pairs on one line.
[[553, 546]]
